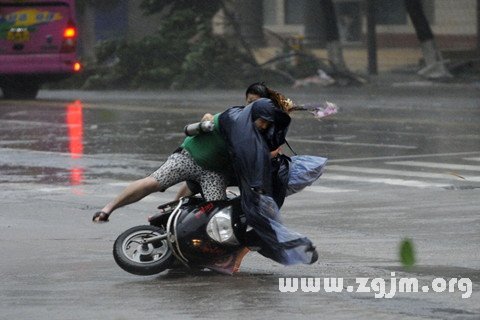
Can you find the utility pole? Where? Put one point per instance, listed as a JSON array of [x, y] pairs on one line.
[[87, 35], [371, 38], [478, 24]]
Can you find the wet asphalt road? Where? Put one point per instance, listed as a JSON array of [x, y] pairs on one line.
[[404, 162]]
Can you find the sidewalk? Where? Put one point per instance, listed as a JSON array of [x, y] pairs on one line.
[[397, 67], [356, 58]]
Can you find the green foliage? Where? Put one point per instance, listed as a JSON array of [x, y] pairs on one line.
[[106, 50], [181, 54], [407, 253], [203, 9], [212, 62], [151, 62]]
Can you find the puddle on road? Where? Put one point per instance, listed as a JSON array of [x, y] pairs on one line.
[[44, 175], [76, 131]]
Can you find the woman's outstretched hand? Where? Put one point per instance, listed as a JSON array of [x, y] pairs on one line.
[[100, 216]]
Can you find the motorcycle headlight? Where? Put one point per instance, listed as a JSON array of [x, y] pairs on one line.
[[220, 229]]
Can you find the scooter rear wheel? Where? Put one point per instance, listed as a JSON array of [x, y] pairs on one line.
[[134, 256]]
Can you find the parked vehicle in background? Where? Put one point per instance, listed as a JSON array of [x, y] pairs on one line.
[[38, 44]]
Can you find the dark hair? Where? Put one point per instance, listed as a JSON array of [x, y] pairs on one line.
[[258, 88], [279, 100]]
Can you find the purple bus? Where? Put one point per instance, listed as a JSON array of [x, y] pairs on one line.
[[38, 43]]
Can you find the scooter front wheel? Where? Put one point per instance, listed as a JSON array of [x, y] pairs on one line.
[[136, 256]]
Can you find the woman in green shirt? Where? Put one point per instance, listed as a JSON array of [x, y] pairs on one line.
[[203, 159]]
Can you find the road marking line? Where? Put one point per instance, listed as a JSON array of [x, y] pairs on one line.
[[393, 182], [320, 189], [30, 123], [377, 145], [436, 165], [54, 189], [119, 184], [404, 173], [472, 159], [404, 157]]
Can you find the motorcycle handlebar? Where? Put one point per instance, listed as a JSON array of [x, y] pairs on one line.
[[198, 128]]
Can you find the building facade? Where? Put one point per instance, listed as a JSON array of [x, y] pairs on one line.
[[454, 22]]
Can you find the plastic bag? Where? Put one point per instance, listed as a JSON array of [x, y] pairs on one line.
[[304, 170]]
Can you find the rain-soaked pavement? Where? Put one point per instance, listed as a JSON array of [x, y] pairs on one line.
[[404, 163]]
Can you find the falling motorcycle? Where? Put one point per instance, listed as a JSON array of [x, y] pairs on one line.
[[197, 234], [189, 232]]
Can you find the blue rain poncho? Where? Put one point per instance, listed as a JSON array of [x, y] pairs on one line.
[[250, 152]]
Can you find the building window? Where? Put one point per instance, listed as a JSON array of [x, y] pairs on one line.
[[294, 11], [390, 12]]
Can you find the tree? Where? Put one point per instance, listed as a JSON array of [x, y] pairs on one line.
[[204, 9], [434, 63], [183, 53]]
